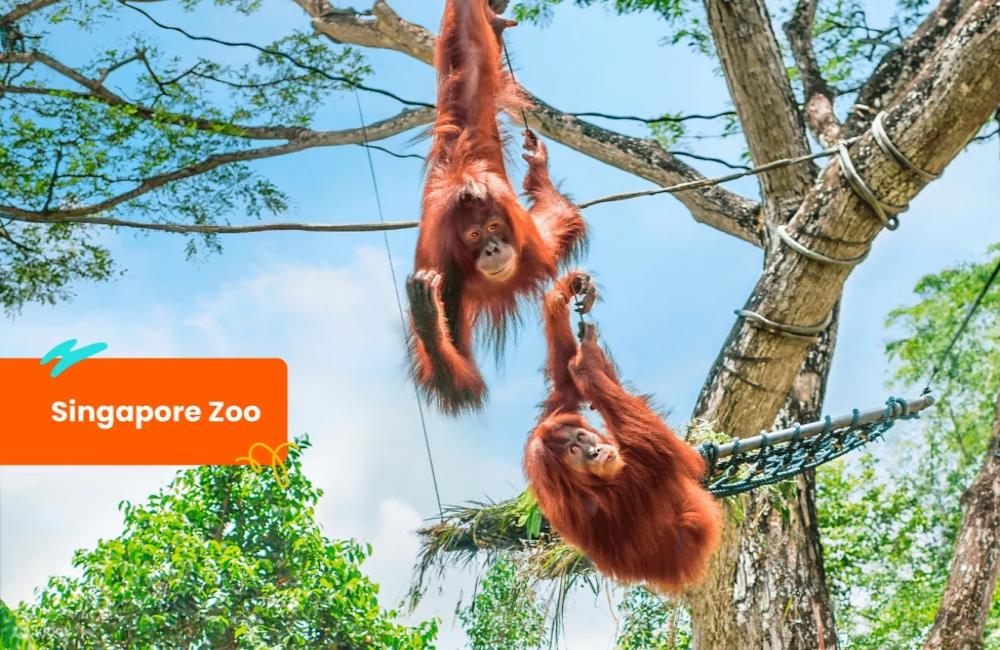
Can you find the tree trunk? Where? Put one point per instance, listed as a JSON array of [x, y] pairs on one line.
[[968, 595], [767, 587]]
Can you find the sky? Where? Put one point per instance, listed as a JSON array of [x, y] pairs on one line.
[[324, 302]]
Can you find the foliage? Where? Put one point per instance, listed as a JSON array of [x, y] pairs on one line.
[[684, 17], [848, 45], [44, 259], [505, 612], [130, 112], [222, 557], [12, 633], [650, 623], [464, 531], [889, 527], [966, 382]]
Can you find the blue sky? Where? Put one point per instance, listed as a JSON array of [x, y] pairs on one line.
[[324, 302]]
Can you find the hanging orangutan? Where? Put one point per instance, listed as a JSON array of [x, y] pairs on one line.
[[630, 499], [479, 251]]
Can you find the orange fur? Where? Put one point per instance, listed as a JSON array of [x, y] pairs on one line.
[[466, 180], [653, 522]]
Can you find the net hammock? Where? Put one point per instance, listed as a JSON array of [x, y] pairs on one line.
[[744, 464]]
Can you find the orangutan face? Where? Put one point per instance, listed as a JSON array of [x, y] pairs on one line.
[[588, 452], [488, 238]]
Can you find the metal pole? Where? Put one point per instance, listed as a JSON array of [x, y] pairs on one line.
[[813, 428]]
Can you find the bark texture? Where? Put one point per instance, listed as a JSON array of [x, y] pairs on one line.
[[968, 595], [819, 108], [942, 110], [762, 95], [899, 67], [767, 588]]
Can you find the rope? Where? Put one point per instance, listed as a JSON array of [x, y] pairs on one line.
[[961, 328], [278, 54], [803, 332], [399, 302], [717, 180], [888, 148], [801, 249], [55, 216], [886, 212], [510, 67]]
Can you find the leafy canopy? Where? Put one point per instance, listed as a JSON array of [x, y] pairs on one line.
[[889, 524], [86, 128], [650, 623], [504, 613], [222, 557]]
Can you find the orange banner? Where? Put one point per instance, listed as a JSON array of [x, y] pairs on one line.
[[142, 411]]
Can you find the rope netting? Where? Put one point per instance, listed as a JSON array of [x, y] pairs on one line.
[[744, 464]]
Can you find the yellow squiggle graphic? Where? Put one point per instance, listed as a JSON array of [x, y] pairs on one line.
[[277, 465]]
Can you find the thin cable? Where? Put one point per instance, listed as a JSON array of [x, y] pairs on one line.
[[961, 328], [399, 302], [275, 53], [717, 180], [59, 216], [510, 67]]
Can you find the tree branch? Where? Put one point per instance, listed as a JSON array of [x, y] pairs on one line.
[[188, 229], [819, 110], [965, 608], [404, 121], [941, 112], [900, 66], [22, 10], [762, 95], [721, 209], [99, 92], [276, 53]]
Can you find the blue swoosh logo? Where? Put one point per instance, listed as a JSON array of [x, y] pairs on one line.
[[69, 356]]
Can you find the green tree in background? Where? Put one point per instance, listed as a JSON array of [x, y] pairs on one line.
[[650, 623], [13, 636], [889, 523], [505, 613], [178, 153], [223, 558]]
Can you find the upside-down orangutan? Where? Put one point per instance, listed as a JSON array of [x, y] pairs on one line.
[[630, 499], [479, 251]]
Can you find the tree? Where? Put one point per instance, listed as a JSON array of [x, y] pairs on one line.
[[225, 558], [168, 149], [648, 623], [12, 633], [970, 423], [504, 612], [891, 526], [971, 606]]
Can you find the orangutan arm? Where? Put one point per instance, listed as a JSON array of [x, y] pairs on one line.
[[557, 219]]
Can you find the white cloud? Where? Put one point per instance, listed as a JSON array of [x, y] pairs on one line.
[[338, 330], [46, 513]]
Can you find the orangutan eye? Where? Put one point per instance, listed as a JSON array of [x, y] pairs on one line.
[[473, 234], [493, 227], [574, 450]]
